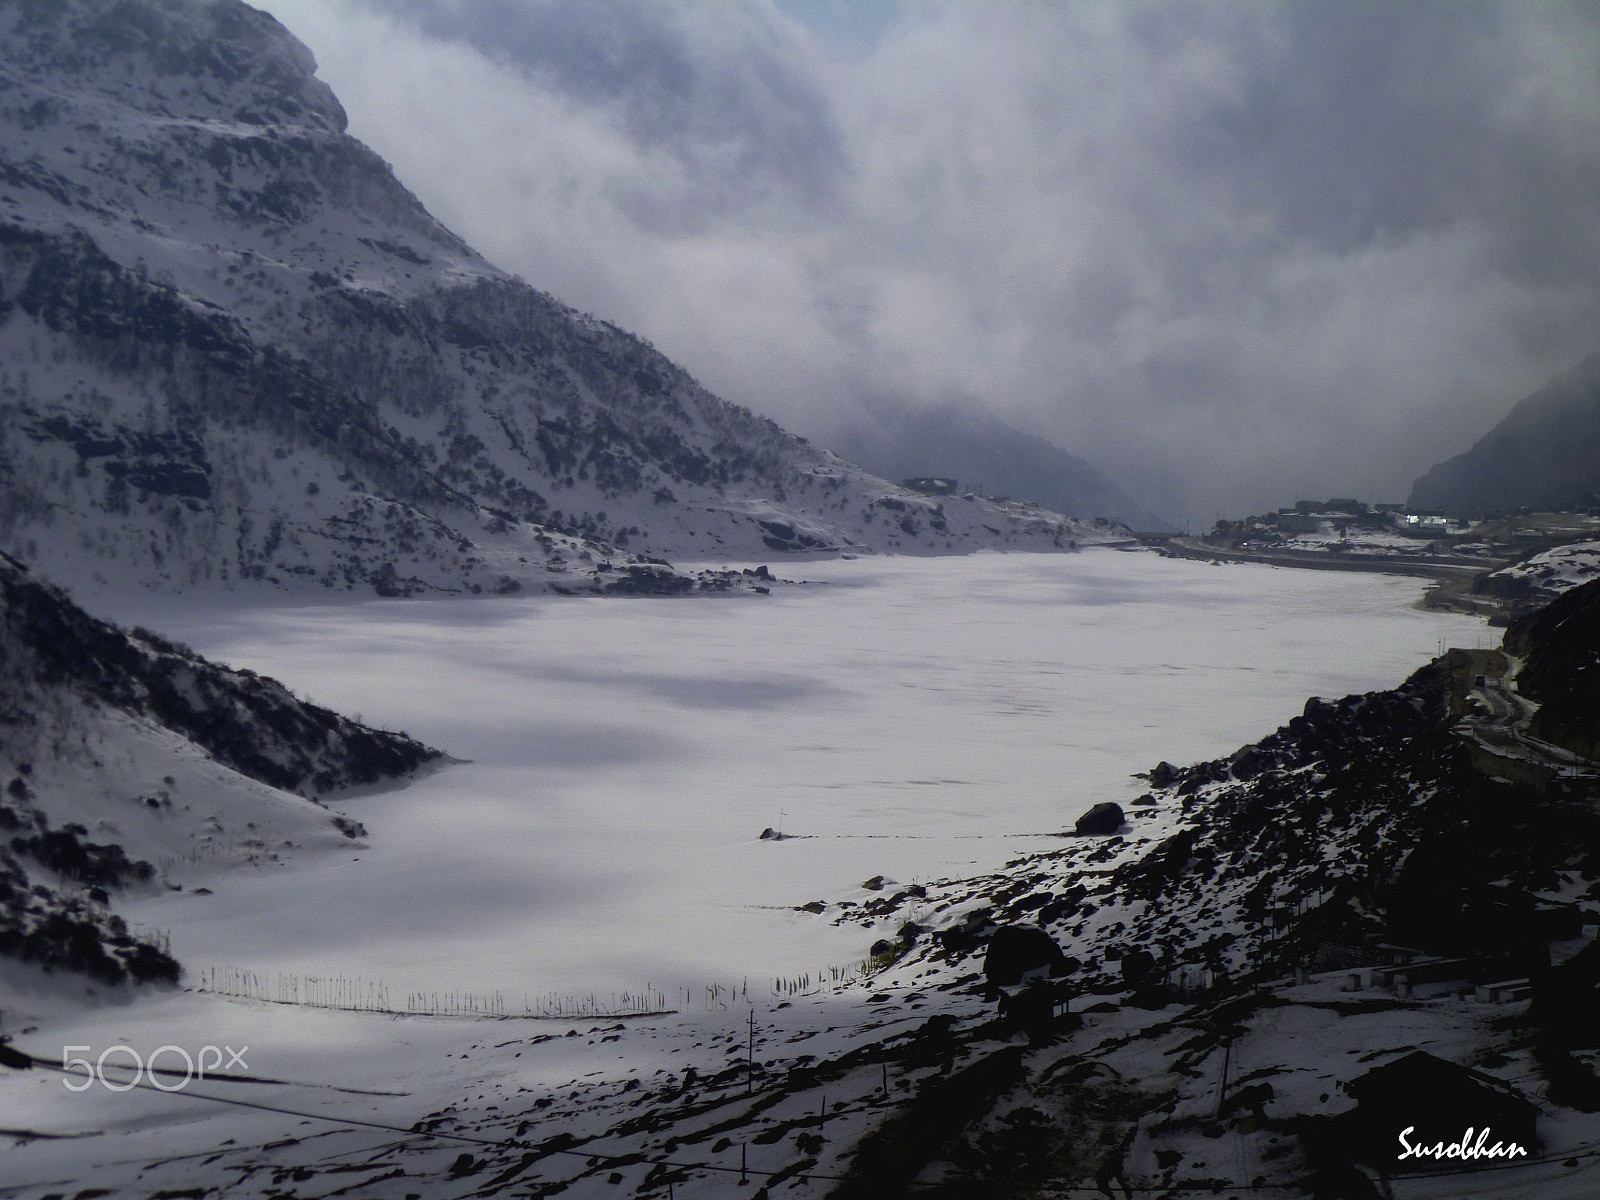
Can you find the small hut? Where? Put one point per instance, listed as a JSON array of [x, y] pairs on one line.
[[1458, 1117]]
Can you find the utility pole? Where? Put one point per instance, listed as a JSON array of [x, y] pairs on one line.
[[1222, 1087]]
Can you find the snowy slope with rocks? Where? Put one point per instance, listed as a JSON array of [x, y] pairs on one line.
[[130, 762], [233, 347], [1544, 576], [1235, 968]]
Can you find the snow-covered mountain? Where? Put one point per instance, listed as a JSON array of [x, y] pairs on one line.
[[984, 454], [234, 347], [130, 761]]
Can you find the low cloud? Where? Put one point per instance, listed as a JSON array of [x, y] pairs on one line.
[[1231, 252]]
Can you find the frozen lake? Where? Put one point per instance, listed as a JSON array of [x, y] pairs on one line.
[[913, 718]]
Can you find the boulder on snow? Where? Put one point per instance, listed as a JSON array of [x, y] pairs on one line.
[[1102, 818], [1015, 950], [1164, 774], [967, 936], [1137, 967], [1247, 762]]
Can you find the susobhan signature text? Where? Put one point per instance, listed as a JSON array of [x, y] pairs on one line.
[[1466, 1148]]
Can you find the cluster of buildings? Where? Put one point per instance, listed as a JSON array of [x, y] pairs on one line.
[[1339, 514]]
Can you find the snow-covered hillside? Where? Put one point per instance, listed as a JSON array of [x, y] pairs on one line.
[[233, 347], [1548, 574], [129, 761]]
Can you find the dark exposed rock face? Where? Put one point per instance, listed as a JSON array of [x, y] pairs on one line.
[[1374, 801], [61, 929], [1137, 967], [1561, 644], [1163, 774]]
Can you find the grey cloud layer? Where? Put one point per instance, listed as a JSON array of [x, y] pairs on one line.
[[1232, 252]]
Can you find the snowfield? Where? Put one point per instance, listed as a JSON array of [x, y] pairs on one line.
[[904, 718], [915, 719]]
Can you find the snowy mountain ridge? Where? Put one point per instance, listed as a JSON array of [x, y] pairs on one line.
[[987, 455], [233, 347]]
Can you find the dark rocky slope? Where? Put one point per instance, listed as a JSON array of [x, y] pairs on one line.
[[1545, 454], [1561, 648], [1394, 818]]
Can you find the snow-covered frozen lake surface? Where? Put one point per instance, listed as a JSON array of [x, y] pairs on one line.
[[911, 718]]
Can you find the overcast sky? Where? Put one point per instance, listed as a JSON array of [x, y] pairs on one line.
[[1234, 253]]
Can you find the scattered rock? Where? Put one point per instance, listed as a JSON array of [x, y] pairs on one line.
[[1016, 950], [1246, 762], [1151, 996], [1137, 967], [1101, 819], [969, 934]]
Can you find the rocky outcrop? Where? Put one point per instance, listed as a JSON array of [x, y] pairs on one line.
[[247, 721], [1561, 645]]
